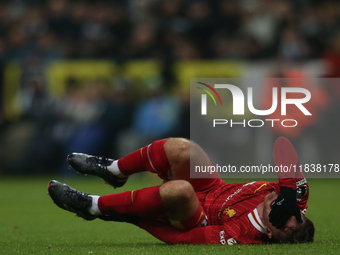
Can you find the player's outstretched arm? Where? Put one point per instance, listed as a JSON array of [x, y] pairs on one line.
[[286, 204]]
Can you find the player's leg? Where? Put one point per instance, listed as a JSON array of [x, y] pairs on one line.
[[150, 158], [169, 158], [183, 208], [176, 199], [183, 154]]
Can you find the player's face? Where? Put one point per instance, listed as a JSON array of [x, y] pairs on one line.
[[290, 226]]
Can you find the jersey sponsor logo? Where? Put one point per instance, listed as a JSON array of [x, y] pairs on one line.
[[231, 241], [222, 239], [230, 212], [264, 184]]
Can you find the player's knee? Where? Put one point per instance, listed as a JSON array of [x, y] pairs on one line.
[[178, 191], [178, 150]]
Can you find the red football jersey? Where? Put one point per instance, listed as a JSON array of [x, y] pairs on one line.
[[232, 215], [234, 209]]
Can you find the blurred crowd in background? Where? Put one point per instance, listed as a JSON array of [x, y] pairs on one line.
[[100, 116], [169, 29]]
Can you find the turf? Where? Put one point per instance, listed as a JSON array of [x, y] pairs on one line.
[[31, 224]]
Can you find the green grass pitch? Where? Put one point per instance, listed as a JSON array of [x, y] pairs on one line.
[[31, 224]]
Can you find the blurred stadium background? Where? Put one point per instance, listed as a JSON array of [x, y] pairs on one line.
[[106, 77]]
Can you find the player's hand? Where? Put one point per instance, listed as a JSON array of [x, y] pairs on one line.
[[119, 217], [285, 207]]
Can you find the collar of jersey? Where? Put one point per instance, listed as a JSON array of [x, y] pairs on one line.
[[254, 218]]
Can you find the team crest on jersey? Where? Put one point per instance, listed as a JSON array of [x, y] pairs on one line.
[[229, 212]]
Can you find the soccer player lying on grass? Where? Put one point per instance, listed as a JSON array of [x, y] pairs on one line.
[[193, 211]]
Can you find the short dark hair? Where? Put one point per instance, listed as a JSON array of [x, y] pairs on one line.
[[305, 234]]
